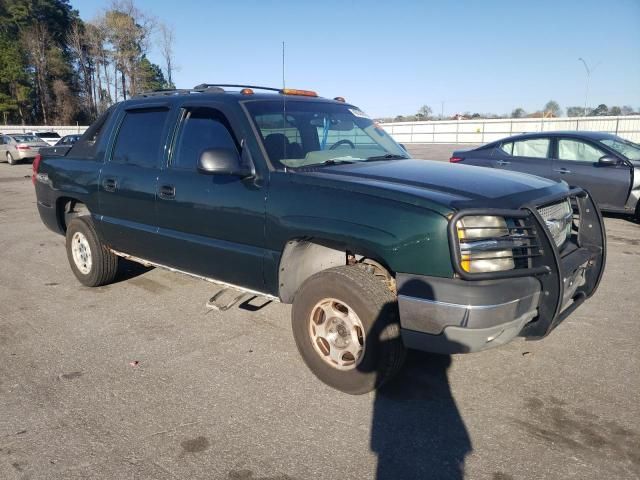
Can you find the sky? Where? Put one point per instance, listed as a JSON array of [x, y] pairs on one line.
[[392, 57]]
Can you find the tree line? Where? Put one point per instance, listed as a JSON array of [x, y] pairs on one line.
[[57, 69], [551, 109]]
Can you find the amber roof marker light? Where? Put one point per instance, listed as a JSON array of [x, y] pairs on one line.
[[295, 91], [246, 91]]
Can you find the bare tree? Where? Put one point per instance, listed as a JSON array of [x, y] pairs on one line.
[[37, 42], [129, 31], [425, 111], [78, 46], [65, 103], [167, 39]]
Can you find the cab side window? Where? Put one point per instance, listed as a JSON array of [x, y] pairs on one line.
[[578, 150], [140, 141], [200, 129], [532, 147]]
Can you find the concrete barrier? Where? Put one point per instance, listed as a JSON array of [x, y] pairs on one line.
[[62, 130], [480, 131]]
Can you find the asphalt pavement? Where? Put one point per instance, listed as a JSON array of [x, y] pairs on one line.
[[139, 380]]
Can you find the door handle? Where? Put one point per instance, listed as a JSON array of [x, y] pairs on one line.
[[167, 192], [562, 170], [109, 184], [502, 163]]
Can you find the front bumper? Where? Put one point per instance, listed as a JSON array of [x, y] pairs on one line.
[[456, 315]]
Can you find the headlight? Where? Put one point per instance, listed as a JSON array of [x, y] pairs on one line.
[[485, 244]]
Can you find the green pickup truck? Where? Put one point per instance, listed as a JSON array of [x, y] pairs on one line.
[[281, 193]]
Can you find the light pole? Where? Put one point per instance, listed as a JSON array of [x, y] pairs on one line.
[[589, 71], [586, 95]]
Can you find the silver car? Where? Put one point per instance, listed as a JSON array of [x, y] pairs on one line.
[[16, 147]]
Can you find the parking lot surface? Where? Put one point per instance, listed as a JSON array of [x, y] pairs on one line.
[[139, 380]]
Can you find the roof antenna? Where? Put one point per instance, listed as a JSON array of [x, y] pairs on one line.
[[284, 110], [283, 82]]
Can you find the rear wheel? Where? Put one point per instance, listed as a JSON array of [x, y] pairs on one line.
[[10, 159], [91, 262], [346, 327]]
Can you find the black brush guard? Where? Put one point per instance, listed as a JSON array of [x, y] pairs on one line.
[[550, 265]]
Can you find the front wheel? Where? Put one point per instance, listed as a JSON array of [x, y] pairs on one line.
[[91, 262], [346, 327]]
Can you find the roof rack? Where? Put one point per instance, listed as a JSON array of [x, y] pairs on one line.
[[178, 91], [231, 85]]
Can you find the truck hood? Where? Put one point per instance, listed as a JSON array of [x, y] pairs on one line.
[[449, 186]]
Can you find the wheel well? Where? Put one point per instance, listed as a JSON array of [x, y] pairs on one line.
[[303, 258], [68, 208]]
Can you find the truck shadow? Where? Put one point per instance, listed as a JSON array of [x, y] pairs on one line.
[[416, 429], [128, 270]]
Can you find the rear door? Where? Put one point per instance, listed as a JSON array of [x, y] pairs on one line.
[[129, 178], [576, 162], [211, 225], [528, 155]]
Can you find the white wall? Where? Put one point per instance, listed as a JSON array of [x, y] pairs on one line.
[[62, 130], [483, 131], [454, 131]]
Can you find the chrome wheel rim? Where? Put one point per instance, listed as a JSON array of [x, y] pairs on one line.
[[81, 252], [337, 334]]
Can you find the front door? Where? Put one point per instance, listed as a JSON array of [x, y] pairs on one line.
[[211, 225], [576, 163], [128, 183]]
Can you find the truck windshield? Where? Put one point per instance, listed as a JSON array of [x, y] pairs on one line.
[[304, 133]]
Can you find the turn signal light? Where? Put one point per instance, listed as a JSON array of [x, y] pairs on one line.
[[294, 91]]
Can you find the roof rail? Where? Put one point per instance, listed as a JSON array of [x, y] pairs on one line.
[[203, 86], [177, 91]]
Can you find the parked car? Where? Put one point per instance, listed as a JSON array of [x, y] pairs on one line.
[[605, 165], [67, 140], [308, 201], [51, 138], [15, 147], [62, 146]]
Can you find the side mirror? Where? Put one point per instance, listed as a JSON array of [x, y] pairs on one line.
[[222, 161], [608, 161]]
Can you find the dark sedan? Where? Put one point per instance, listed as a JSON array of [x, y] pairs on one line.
[[68, 140], [606, 165]]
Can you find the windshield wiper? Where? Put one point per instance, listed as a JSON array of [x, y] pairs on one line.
[[333, 161], [388, 156]]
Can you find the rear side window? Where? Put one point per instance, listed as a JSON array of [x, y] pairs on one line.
[[201, 129], [507, 148], [140, 141], [533, 147], [87, 144]]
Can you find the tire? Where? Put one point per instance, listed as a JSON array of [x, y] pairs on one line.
[[353, 295], [10, 159], [91, 262]]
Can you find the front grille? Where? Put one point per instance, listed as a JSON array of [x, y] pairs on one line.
[[558, 219]]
